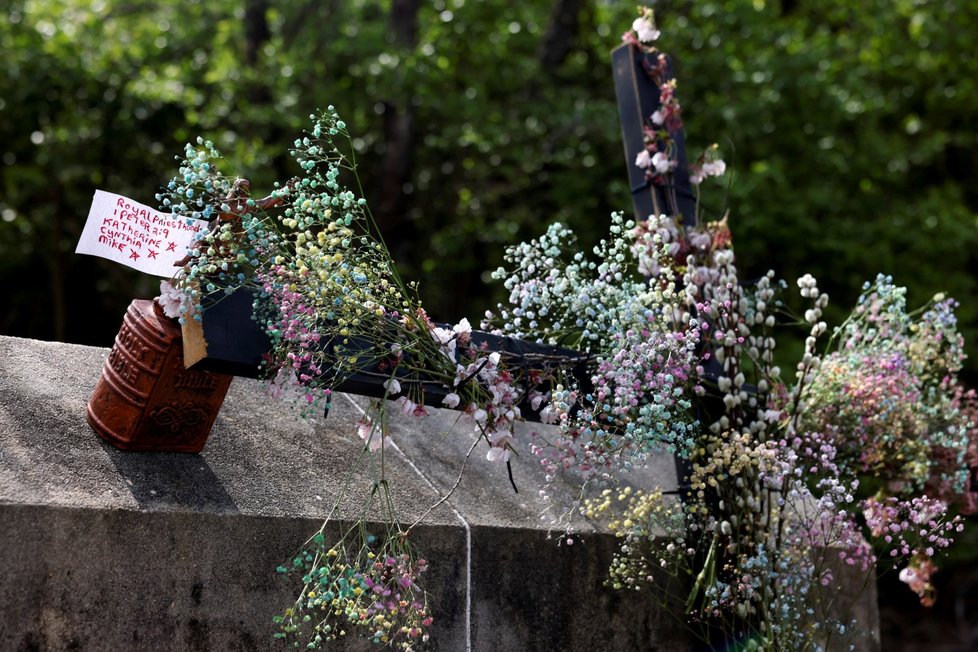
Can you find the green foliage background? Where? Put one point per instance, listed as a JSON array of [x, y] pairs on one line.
[[849, 128]]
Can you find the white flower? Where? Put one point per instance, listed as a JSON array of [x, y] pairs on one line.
[[446, 338], [463, 327], [498, 454], [171, 300], [451, 400], [657, 117], [499, 450], [662, 163], [644, 159], [442, 335], [480, 416], [645, 29], [392, 386], [714, 168]]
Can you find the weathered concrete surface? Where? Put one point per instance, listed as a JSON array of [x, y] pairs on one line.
[[485, 495], [104, 549]]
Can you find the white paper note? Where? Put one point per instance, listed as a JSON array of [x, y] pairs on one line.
[[136, 235]]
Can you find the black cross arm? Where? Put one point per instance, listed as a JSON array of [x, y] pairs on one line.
[[236, 345]]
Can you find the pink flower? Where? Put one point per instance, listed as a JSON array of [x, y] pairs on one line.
[[284, 379], [172, 301], [372, 435], [700, 240], [405, 405], [410, 408]]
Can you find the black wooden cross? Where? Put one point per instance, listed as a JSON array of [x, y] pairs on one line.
[[236, 343], [638, 99]]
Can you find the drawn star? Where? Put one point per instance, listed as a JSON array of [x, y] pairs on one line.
[[172, 246], [152, 254], [133, 254]]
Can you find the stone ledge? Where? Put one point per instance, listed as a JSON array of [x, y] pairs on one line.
[[107, 549]]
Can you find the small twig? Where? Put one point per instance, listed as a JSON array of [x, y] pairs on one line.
[[444, 498], [474, 373]]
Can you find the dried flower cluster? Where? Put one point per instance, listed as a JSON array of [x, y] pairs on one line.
[[357, 585]]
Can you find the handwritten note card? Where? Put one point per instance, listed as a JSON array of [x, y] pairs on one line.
[[135, 235]]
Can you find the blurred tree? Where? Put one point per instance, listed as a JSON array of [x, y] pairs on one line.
[[90, 97], [848, 127]]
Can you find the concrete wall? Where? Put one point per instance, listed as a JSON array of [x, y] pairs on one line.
[[108, 550]]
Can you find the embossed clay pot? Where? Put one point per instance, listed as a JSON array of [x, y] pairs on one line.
[[145, 399]]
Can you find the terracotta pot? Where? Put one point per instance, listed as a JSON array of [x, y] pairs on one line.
[[145, 399]]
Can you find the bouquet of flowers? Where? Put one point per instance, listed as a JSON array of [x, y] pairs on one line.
[[859, 457]]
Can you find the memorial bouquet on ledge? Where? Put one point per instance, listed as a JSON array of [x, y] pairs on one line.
[[861, 456]]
